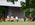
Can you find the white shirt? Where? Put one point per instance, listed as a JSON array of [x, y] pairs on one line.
[[12, 18], [16, 17]]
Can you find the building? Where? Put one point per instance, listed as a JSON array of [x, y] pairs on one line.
[[12, 9]]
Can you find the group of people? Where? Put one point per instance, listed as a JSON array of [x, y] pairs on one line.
[[9, 18], [16, 18]]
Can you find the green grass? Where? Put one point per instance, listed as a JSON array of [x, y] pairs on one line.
[[17, 23]]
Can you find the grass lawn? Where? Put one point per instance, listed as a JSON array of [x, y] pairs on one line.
[[17, 23]]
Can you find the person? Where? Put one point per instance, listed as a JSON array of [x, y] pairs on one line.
[[16, 18], [24, 19], [33, 18], [7, 19], [2, 18], [12, 18], [30, 18]]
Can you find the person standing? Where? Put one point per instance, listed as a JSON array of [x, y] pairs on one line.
[[24, 18], [16, 18]]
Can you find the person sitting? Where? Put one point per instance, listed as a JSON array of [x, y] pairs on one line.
[[12, 18], [7, 19], [2, 18], [30, 18]]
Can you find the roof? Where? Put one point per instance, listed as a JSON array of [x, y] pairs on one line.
[[5, 3]]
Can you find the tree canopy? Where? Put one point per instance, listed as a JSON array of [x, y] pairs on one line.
[[12, 1], [29, 4]]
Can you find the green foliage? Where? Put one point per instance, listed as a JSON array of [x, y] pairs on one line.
[[27, 13], [2, 10], [23, 7], [33, 12], [27, 2], [32, 4], [33, 1], [12, 1]]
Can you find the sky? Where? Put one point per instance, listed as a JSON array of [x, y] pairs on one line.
[[5, 3]]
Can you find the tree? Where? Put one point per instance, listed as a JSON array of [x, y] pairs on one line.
[[33, 12], [27, 3], [25, 7], [32, 3], [12, 1], [3, 10]]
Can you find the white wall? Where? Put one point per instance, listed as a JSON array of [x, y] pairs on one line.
[[5, 3]]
